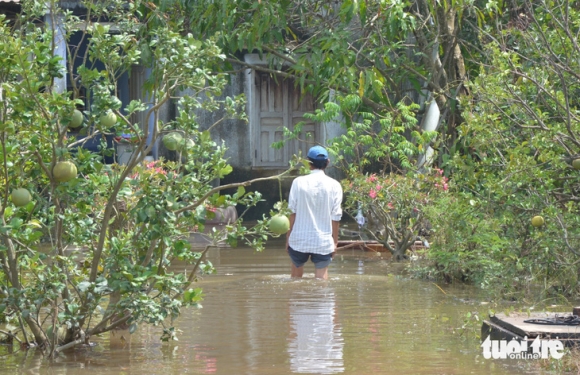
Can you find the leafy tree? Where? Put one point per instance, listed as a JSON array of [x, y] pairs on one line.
[[94, 252], [392, 202], [383, 52], [521, 128]]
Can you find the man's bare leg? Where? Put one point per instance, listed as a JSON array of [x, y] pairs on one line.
[[297, 271], [321, 273]]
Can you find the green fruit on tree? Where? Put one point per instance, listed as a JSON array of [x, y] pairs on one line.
[[108, 119], [172, 141], [151, 212], [76, 119], [537, 221], [279, 224], [64, 171], [576, 163], [20, 197]]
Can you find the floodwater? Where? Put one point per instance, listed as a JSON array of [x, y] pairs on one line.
[[366, 319]]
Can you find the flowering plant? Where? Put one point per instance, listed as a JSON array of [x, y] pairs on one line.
[[154, 168], [394, 205], [127, 138]]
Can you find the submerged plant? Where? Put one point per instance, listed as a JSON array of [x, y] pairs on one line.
[[395, 206]]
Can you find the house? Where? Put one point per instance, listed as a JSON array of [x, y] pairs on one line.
[[273, 103], [129, 84]]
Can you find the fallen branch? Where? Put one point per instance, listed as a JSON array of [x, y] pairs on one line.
[[71, 344], [10, 334]]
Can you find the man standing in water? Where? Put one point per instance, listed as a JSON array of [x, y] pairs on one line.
[[315, 201]]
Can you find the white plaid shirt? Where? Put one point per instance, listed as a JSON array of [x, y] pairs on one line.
[[315, 199]]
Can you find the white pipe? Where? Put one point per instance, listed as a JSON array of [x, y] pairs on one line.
[[430, 123]]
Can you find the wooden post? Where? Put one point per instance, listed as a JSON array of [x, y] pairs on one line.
[[576, 311]]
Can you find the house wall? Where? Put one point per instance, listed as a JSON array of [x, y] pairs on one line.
[[237, 137], [234, 133]]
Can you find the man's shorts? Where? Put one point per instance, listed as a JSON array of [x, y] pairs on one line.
[[319, 260]]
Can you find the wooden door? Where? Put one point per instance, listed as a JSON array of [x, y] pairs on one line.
[[280, 105]]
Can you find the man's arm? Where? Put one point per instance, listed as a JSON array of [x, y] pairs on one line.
[[292, 218], [335, 234]]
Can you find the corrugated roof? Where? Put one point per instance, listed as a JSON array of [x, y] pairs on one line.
[[10, 1]]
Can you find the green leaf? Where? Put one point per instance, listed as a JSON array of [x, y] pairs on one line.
[[221, 200], [363, 11], [83, 286], [225, 171], [16, 223], [8, 212], [192, 295]]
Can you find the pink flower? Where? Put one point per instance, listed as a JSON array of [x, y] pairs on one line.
[[445, 187], [373, 194], [372, 178], [390, 205], [161, 171], [378, 187]]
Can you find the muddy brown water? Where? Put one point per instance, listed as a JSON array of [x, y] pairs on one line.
[[366, 319]]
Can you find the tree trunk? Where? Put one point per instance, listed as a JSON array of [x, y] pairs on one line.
[[448, 75]]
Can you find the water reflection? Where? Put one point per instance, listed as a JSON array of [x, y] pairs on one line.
[[316, 343], [207, 363], [361, 267]]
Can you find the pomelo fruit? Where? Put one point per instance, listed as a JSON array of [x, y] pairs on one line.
[[108, 119], [172, 141], [576, 163], [537, 221], [20, 197], [279, 224], [76, 119], [64, 171]]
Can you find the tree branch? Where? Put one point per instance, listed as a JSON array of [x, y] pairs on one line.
[[231, 186], [71, 344]]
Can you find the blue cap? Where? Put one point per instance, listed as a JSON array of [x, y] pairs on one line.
[[317, 153]]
